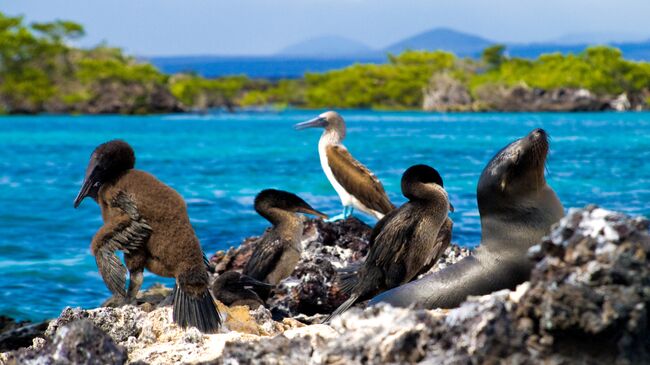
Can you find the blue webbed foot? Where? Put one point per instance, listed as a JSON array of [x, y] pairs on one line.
[[347, 212], [335, 218]]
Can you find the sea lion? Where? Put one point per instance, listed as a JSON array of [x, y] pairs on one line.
[[277, 252], [517, 209], [232, 288], [405, 241], [148, 221]]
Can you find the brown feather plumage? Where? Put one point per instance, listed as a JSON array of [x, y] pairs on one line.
[[357, 180]]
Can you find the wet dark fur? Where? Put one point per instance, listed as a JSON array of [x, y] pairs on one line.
[[517, 208]]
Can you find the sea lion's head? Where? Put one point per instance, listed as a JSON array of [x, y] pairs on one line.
[[107, 162], [518, 169], [329, 120]]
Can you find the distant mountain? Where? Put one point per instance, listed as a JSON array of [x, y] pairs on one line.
[[462, 44], [332, 52], [327, 47]]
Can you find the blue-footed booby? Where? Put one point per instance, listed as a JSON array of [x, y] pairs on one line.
[[148, 221], [354, 183], [277, 252], [407, 241]]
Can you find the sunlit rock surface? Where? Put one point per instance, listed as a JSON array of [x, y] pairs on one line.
[[587, 302]]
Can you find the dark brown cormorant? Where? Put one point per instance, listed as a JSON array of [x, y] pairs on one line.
[[406, 240], [232, 288], [148, 221], [277, 252]]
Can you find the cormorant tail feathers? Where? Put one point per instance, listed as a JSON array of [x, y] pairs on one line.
[[348, 277], [196, 312], [343, 307]]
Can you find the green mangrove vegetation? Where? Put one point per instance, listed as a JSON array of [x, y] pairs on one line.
[[41, 72]]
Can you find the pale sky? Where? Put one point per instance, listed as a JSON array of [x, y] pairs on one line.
[[257, 27]]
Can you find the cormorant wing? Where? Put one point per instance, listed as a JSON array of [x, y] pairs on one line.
[[357, 180], [390, 244], [126, 237], [265, 257], [442, 242]]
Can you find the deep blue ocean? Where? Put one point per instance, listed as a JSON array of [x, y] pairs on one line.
[[219, 162]]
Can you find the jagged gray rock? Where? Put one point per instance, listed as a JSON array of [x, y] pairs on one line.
[[313, 288], [587, 302], [446, 93], [78, 342]]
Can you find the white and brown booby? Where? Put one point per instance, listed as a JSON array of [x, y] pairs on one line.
[[357, 186]]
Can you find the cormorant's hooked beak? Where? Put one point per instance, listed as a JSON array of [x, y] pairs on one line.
[[247, 281], [313, 123], [309, 210], [91, 184]]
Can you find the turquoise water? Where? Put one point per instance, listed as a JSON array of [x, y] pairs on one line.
[[219, 162]]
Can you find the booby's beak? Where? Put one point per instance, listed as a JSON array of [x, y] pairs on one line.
[[91, 184], [247, 281], [309, 210], [313, 123]]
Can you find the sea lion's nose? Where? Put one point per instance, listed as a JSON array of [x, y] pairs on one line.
[[537, 133]]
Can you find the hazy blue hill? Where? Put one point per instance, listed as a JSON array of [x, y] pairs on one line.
[[332, 52], [327, 47], [462, 44]]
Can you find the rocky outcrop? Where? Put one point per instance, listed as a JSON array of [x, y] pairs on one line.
[[587, 302], [119, 98], [14, 335], [327, 247], [523, 98], [79, 342], [446, 93]]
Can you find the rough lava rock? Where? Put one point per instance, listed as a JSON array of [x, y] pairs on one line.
[[586, 303], [14, 335], [524, 98], [327, 247], [312, 287], [79, 342]]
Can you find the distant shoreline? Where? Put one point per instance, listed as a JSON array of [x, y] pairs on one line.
[[42, 73]]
